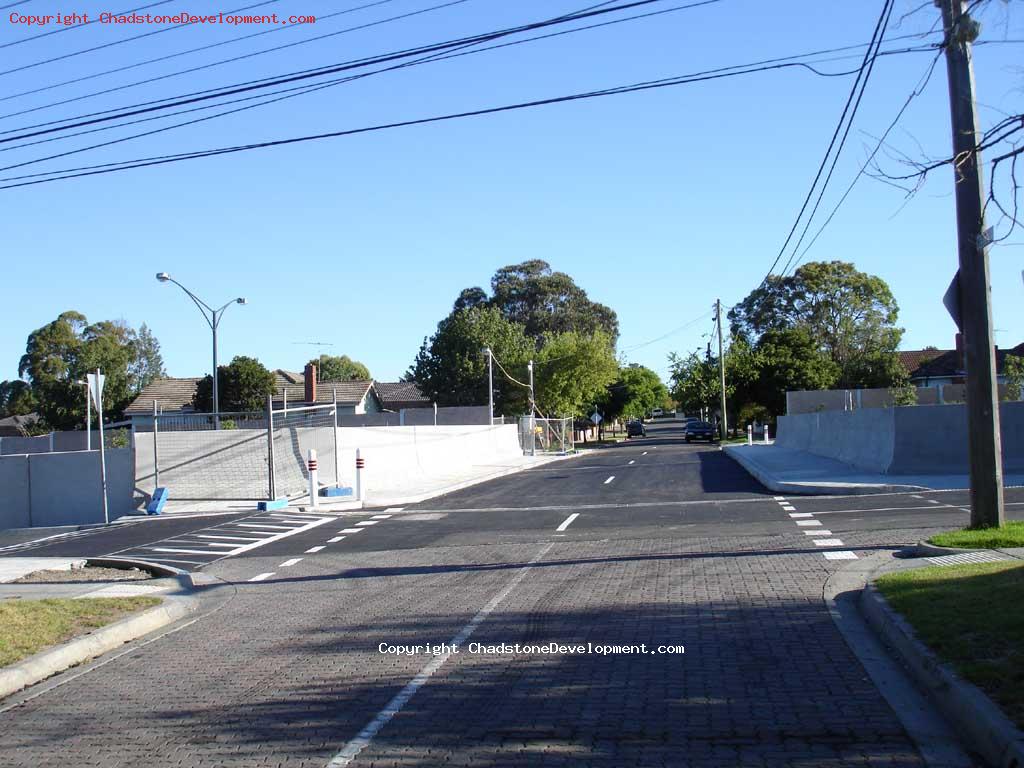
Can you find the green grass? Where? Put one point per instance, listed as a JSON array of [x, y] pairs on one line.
[[972, 616], [28, 626], [1009, 535]]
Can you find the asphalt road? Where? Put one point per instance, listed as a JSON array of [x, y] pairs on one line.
[[648, 547]]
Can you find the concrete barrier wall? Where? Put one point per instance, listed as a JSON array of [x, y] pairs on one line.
[[48, 489], [906, 441]]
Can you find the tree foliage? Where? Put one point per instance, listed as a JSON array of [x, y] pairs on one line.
[[573, 371], [60, 354], [451, 367], [340, 368], [637, 391], [1014, 370], [243, 385], [148, 364], [16, 398], [850, 315]]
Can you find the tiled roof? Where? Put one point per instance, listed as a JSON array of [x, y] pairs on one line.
[[349, 392], [913, 358], [395, 395], [170, 394], [931, 363], [18, 426]]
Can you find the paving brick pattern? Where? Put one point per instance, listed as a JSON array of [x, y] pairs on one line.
[[287, 671]]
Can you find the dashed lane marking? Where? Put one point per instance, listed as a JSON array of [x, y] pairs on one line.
[[644, 453], [567, 522], [335, 540], [368, 522], [227, 538], [779, 498], [351, 530], [807, 522], [290, 563], [822, 532], [829, 542], [313, 550], [796, 515], [262, 576], [840, 555], [394, 509], [380, 517], [609, 479], [632, 461], [264, 526]]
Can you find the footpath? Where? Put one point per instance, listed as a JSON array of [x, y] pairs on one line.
[[790, 471]]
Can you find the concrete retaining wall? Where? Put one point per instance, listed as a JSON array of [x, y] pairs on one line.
[[904, 441], [47, 489]]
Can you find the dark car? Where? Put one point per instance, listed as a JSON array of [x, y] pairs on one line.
[[636, 429], [700, 430]]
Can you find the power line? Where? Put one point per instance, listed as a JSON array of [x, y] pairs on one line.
[[664, 336], [868, 57], [164, 159]]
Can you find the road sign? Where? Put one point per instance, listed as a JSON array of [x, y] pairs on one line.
[[595, 417], [951, 300], [96, 386]]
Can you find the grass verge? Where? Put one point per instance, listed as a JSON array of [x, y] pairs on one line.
[[1009, 535], [29, 626], [972, 616]]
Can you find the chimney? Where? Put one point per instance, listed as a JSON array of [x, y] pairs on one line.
[[310, 377], [961, 361]]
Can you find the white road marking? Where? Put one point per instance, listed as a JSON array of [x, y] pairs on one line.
[[367, 522], [335, 540], [568, 521], [966, 557], [934, 501], [822, 532], [226, 538], [800, 514], [840, 555], [169, 550], [807, 522], [631, 461], [262, 576], [208, 543], [779, 498], [264, 526], [313, 550], [393, 707], [916, 496], [351, 530], [644, 453], [829, 542], [788, 508], [394, 509], [380, 517], [609, 479], [290, 563]]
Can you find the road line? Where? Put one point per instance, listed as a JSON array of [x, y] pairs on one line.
[[265, 526], [829, 542], [842, 555], [822, 532], [394, 509], [568, 521], [807, 522], [644, 453], [380, 517], [290, 563], [313, 550], [393, 707], [335, 540], [227, 538], [351, 530], [934, 501], [632, 461], [879, 509], [262, 576], [367, 522], [609, 479], [185, 551], [796, 515], [779, 498]]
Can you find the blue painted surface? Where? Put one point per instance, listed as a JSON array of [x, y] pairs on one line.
[[335, 491], [264, 506], [156, 504]]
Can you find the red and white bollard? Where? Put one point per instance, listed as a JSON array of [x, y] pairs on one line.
[[314, 485], [360, 465]]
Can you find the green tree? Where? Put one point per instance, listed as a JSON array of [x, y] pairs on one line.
[[1013, 368], [694, 382], [148, 363], [789, 360], [636, 392], [547, 302], [850, 315], [16, 398], [451, 367], [61, 353], [573, 371], [243, 385], [340, 368]]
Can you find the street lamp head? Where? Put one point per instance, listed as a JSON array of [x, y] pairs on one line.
[[241, 300], [163, 277]]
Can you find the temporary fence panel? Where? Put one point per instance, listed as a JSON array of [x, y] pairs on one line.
[[544, 435], [295, 431]]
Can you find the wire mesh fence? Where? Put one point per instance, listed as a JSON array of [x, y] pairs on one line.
[[295, 432], [546, 435]]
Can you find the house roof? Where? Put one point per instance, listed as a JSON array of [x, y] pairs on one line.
[[18, 426], [912, 359], [170, 394], [935, 363], [396, 395], [349, 392]]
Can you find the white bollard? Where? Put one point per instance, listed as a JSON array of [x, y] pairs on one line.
[[359, 476], [766, 434], [314, 485], [750, 435]]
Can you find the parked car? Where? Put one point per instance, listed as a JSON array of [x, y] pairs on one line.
[[636, 429], [657, 413], [700, 430]]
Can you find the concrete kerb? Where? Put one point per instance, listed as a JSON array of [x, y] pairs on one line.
[[55, 660], [979, 721]]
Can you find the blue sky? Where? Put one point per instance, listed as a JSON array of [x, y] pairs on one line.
[[655, 202]]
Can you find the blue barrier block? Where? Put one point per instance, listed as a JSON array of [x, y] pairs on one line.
[[335, 491], [264, 506], [156, 504]]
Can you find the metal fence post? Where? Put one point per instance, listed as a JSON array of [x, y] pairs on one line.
[[337, 452], [272, 486], [156, 450]]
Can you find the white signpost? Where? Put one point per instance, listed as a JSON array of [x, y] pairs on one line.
[[95, 381]]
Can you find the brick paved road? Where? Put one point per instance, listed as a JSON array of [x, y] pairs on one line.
[[287, 671]]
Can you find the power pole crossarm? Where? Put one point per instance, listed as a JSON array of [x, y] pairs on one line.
[[983, 437]]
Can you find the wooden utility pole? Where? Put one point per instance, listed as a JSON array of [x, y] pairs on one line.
[[983, 438], [721, 367]]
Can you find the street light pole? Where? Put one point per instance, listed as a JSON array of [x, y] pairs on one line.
[[490, 383], [88, 416], [212, 317]]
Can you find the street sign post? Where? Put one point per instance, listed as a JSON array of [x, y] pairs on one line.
[[95, 381]]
